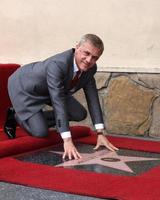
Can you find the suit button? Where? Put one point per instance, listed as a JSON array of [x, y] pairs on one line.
[[59, 123]]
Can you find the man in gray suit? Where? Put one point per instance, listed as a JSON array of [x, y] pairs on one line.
[[33, 86]]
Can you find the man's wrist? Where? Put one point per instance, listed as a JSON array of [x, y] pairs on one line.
[[100, 131], [69, 139]]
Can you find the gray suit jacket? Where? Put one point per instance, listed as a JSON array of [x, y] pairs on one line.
[[34, 85]]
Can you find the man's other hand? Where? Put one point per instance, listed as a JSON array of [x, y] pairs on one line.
[[102, 141]]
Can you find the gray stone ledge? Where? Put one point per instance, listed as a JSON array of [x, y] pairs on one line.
[[134, 69]]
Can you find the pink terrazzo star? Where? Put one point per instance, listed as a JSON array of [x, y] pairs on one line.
[[105, 158]]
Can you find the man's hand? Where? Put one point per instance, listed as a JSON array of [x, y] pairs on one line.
[[70, 150], [102, 141]]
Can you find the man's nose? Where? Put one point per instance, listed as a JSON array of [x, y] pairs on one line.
[[89, 59]]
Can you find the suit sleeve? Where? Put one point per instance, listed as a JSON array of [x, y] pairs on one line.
[[92, 98], [55, 81]]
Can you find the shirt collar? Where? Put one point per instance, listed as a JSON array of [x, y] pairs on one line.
[[75, 66]]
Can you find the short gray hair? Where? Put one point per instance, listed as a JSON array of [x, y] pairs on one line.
[[94, 39]]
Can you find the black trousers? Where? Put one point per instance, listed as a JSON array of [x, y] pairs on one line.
[[38, 124]]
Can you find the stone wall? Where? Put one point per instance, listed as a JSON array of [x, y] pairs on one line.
[[130, 103]]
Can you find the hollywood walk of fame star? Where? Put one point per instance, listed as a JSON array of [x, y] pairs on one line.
[[106, 158]]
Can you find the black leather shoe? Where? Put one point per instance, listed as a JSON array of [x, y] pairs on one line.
[[10, 124]]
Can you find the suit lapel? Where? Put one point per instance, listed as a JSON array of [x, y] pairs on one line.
[[70, 73]]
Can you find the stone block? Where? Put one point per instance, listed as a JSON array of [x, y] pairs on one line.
[[127, 107]]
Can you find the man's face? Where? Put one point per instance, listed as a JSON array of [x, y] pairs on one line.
[[86, 55]]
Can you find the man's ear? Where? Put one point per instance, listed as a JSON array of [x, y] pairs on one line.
[[77, 46]]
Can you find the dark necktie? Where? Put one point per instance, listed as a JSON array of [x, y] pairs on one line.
[[75, 79]]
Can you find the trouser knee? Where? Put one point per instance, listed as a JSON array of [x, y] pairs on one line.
[[79, 116], [35, 129]]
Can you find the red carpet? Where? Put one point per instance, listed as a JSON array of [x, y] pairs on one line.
[[141, 187], [24, 142]]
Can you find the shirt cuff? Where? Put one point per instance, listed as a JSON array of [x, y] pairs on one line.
[[66, 134], [99, 126]]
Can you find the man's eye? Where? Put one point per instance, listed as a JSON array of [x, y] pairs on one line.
[[95, 57], [86, 53]]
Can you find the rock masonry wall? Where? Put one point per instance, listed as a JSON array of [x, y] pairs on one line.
[[130, 103]]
